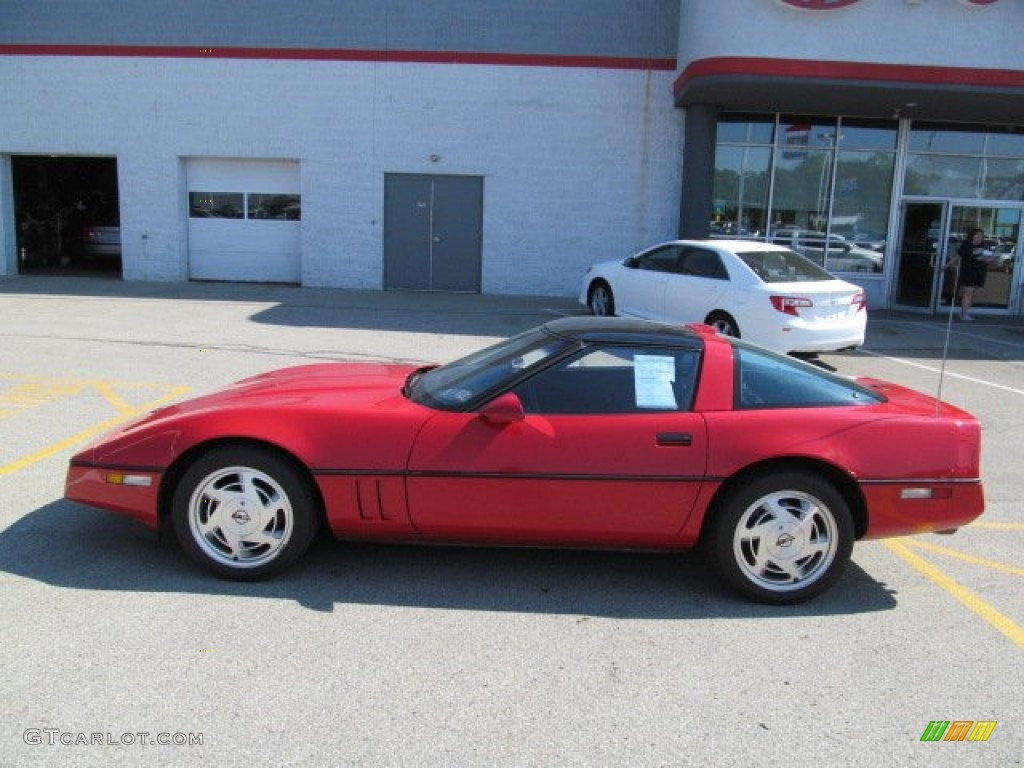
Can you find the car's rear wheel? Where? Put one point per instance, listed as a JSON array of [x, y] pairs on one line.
[[601, 300], [723, 323], [781, 537], [245, 513]]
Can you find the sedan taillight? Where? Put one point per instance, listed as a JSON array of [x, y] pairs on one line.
[[790, 305], [860, 301]]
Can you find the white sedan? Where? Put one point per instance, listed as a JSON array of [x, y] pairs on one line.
[[760, 292]]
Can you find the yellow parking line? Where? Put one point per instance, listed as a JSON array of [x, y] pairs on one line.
[[112, 397], [92, 431], [998, 526], [991, 564], [1002, 623]]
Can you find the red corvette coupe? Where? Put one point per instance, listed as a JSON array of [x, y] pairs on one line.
[[595, 432]]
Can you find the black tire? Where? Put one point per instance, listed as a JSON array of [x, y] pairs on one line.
[[244, 512], [781, 537], [724, 324], [601, 300]]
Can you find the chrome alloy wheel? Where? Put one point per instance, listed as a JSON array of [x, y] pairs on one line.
[[240, 517], [785, 541]]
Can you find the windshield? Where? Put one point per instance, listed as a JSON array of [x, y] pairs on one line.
[[464, 382], [783, 266]]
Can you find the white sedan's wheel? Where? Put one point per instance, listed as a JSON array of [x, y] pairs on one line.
[[724, 324], [244, 513], [602, 302], [782, 538]]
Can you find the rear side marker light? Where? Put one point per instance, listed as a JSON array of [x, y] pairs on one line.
[[926, 493]]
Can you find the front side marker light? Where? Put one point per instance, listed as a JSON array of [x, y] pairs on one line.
[[135, 481]]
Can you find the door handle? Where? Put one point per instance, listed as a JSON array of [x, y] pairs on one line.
[[675, 439]]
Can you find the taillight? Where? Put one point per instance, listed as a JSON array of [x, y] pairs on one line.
[[860, 301], [790, 305]]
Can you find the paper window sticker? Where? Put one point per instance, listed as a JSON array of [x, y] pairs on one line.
[[653, 378]]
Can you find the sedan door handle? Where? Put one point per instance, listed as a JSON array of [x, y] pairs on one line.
[[681, 439]]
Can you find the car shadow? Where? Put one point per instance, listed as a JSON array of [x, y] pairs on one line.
[[436, 313], [67, 545]]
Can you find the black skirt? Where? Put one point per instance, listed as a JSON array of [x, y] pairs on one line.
[[972, 274]]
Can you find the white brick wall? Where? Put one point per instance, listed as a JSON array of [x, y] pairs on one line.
[[578, 164]]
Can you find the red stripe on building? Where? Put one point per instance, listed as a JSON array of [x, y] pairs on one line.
[[342, 54]]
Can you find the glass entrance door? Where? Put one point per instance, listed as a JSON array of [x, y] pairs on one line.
[[930, 234], [921, 255], [1001, 226]]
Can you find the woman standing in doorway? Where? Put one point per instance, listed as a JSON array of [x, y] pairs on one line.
[[974, 258]]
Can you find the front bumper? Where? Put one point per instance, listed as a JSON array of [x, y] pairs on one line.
[[125, 490]]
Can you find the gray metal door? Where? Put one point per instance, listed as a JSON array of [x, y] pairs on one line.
[[432, 232]]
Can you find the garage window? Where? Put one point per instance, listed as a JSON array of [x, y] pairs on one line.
[[216, 205], [239, 205], [275, 206]]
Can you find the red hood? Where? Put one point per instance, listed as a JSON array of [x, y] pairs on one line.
[[350, 382], [294, 407]]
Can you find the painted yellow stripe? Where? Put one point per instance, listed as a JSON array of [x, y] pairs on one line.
[[112, 397], [92, 431], [998, 526], [974, 603], [980, 562]]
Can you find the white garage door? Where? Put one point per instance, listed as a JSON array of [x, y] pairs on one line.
[[245, 219]]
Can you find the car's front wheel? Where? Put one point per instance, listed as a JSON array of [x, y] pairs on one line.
[[781, 537], [602, 302], [244, 512]]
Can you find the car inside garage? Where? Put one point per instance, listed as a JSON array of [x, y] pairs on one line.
[[67, 214]]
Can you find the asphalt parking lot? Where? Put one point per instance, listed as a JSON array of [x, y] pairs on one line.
[[118, 652]]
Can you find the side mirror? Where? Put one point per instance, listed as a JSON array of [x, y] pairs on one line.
[[504, 409]]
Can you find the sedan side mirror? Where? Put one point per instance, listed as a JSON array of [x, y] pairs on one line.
[[504, 409]]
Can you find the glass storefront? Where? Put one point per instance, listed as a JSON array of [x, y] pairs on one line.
[[827, 187], [820, 185]]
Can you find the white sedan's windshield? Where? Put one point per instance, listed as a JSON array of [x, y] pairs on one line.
[[464, 381]]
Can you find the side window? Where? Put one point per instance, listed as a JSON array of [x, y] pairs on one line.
[[614, 379], [764, 380], [661, 260], [699, 262]]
